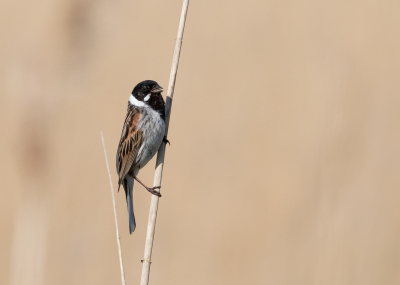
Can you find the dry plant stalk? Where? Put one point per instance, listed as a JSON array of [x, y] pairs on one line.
[[161, 152], [115, 214]]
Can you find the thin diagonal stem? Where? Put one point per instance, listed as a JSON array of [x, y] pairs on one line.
[[115, 215]]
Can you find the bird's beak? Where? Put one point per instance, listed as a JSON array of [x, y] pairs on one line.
[[157, 89]]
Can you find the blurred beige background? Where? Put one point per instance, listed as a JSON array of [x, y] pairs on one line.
[[285, 130]]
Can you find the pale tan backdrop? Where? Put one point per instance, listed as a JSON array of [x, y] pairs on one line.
[[285, 132]]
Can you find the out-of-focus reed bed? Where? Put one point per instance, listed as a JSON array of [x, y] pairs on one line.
[[284, 158]]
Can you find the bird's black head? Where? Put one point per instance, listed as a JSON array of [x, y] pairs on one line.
[[144, 90], [148, 93]]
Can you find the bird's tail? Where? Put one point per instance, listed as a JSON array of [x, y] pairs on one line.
[[128, 187]]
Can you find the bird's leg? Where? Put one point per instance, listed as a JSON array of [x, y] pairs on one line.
[[165, 140], [151, 190]]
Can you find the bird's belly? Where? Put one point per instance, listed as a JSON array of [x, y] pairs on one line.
[[153, 133]]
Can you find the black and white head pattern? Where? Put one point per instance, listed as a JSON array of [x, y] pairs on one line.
[[148, 94]]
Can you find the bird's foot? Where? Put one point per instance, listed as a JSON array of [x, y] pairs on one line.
[[166, 141], [151, 190], [154, 191]]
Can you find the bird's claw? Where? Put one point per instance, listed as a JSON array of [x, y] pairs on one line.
[[154, 191], [166, 141]]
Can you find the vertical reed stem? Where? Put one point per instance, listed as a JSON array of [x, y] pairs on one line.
[[161, 152]]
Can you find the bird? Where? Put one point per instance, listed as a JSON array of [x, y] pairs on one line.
[[142, 135]]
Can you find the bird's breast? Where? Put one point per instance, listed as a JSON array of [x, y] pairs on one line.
[[153, 128]]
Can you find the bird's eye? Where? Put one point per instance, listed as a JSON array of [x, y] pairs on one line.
[[145, 88]]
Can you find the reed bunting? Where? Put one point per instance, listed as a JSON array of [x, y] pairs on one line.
[[142, 135]]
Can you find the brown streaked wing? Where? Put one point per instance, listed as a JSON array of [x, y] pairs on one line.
[[129, 145]]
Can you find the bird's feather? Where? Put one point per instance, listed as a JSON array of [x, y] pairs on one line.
[[130, 143]]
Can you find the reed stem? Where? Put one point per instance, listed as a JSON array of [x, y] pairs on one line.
[[115, 215], [161, 152]]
